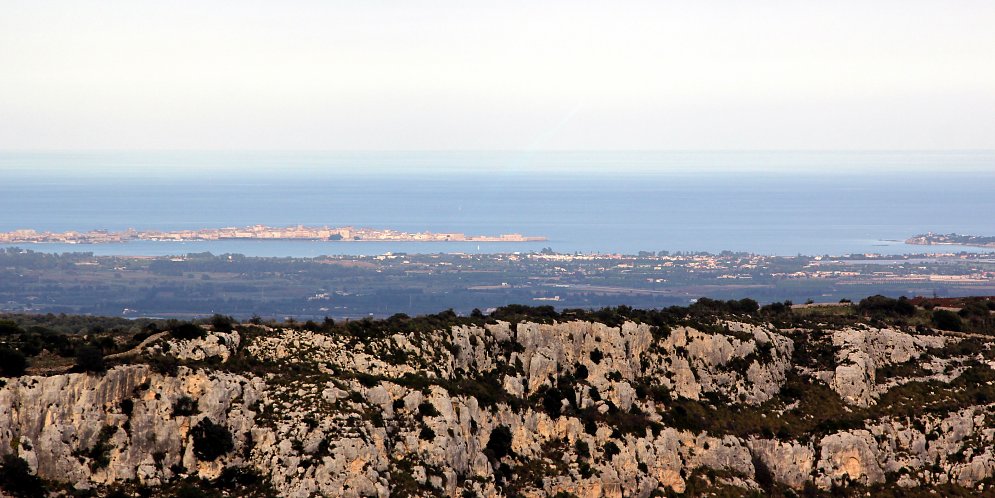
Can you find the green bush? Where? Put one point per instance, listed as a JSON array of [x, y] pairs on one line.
[[12, 363], [236, 477], [883, 305], [610, 449], [185, 407], [222, 323], [165, 365], [8, 327], [582, 448], [90, 359], [193, 489], [100, 453], [127, 406], [596, 356], [427, 409], [776, 308], [947, 320], [426, 434], [211, 440], [552, 402], [16, 478], [499, 444], [187, 331]]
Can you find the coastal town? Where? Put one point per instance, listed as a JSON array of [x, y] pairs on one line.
[[343, 286], [255, 232], [935, 239]]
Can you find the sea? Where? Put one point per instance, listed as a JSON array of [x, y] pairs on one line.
[[773, 203]]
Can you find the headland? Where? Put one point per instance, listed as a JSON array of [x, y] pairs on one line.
[[931, 239]]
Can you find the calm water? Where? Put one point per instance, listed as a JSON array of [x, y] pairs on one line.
[[771, 203]]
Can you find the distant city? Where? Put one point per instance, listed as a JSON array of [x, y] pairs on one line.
[[255, 232]]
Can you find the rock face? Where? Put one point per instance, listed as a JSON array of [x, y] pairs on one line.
[[746, 363], [862, 351], [218, 345], [531, 409], [92, 429]]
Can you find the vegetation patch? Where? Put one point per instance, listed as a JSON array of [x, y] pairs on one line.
[[100, 453], [17, 479], [210, 440]]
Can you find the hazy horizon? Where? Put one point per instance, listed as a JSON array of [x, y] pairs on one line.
[[522, 76], [186, 164]]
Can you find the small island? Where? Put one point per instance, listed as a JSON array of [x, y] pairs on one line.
[[931, 239], [256, 232]]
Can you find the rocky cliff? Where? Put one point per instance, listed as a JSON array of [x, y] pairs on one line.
[[565, 407]]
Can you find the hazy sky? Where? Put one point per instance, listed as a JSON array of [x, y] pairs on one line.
[[518, 75]]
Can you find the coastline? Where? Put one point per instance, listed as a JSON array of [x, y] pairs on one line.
[[963, 244], [951, 239], [252, 239], [255, 233]]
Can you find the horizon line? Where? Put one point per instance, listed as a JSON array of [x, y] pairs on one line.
[[521, 151]]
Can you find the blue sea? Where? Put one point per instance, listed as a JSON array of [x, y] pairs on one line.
[[783, 203]]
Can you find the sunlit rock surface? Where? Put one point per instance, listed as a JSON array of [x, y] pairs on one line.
[[527, 409]]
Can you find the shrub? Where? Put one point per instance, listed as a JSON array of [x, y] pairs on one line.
[[583, 449], [776, 308], [165, 365], [427, 409], [211, 440], [886, 306], [127, 406], [235, 477], [585, 470], [975, 308], [499, 444], [16, 478], [8, 327], [187, 331], [117, 493], [100, 453], [90, 359], [763, 475], [191, 490], [552, 402], [610, 449], [222, 323], [597, 356], [12, 363], [745, 305], [581, 372], [185, 407], [947, 320], [426, 433]]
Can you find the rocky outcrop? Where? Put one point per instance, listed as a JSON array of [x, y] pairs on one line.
[[861, 351], [849, 456], [501, 408], [218, 345], [743, 363], [95, 429], [789, 462]]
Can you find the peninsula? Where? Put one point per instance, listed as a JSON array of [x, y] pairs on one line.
[[930, 239], [255, 232]]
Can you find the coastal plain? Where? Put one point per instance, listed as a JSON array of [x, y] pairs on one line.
[[201, 284]]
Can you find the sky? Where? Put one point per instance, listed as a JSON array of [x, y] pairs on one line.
[[507, 75]]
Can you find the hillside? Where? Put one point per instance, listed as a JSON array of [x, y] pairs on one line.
[[715, 399]]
